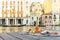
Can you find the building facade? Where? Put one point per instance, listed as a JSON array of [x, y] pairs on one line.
[[47, 20], [36, 12], [14, 12], [56, 13]]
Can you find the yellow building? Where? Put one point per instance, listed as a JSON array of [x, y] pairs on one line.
[[11, 8], [14, 10], [47, 6]]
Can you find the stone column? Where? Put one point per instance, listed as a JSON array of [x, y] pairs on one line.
[[15, 21], [6, 21]]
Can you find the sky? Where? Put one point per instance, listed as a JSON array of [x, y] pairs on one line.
[[41, 1]]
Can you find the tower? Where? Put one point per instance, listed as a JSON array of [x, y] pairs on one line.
[[47, 6]]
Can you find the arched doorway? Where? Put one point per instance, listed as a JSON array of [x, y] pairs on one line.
[[39, 23], [34, 23]]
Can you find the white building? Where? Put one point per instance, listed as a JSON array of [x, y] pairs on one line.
[[36, 12], [56, 12], [26, 12], [26, 20]]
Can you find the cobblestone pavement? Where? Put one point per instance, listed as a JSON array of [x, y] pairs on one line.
[[24, 36]]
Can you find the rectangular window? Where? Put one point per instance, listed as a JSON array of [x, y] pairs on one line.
[[18, 2], [6, 2], [21, 3], [36, 9], [45, 16], [37, 17], [3, 21], [6, 7], [13, 2], [26, 21], [50, 21], [2, 7], [32, 18], [2, 2], [54, 16], [10, 2], [50, 17], [45, 21]]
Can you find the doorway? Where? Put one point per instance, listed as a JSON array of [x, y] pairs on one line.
[[19, 21], [3, 21], [34, 23], [11, 22]]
